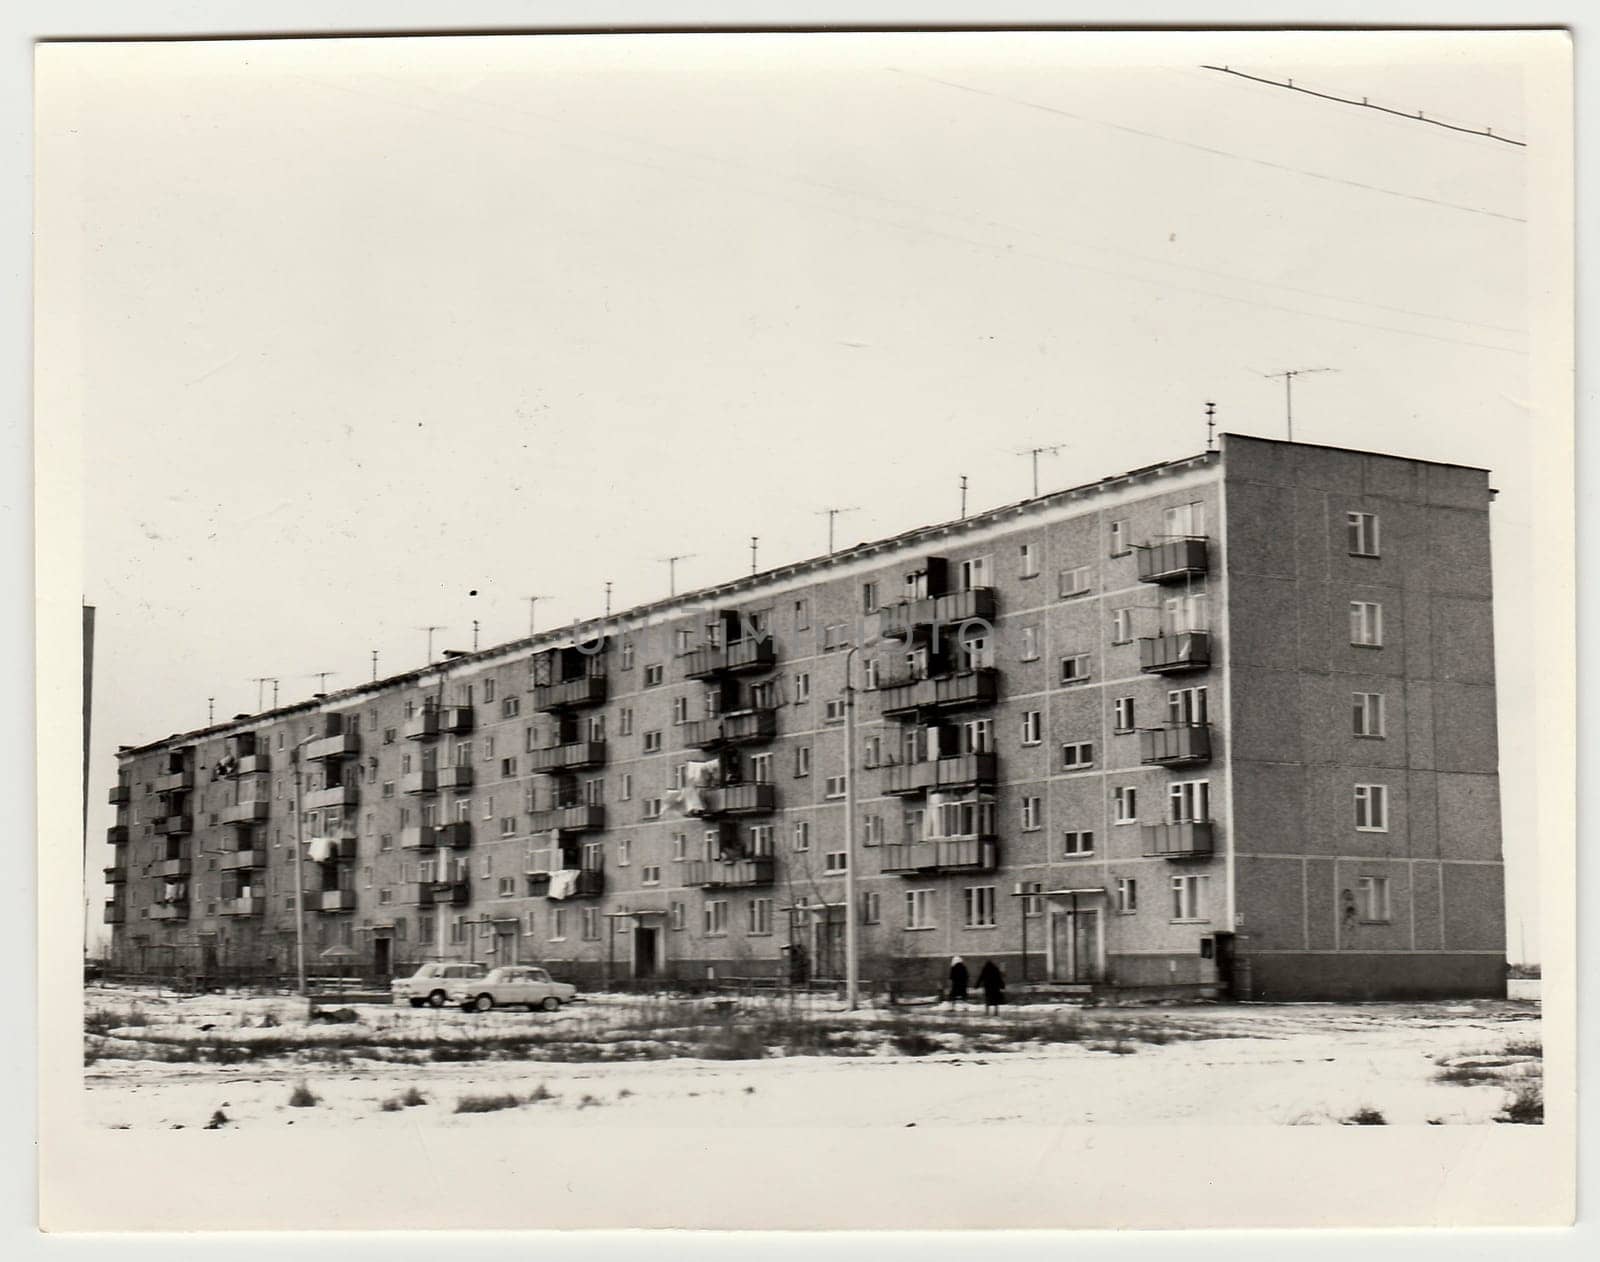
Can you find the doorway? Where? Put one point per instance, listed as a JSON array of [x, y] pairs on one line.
[[828, 944], [382, 957], [1075, 954], [505, 946], [646, 942]]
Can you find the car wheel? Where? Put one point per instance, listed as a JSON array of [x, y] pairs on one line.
[[550, 1003], [483, 1003], [417, 1003], [436, 999]]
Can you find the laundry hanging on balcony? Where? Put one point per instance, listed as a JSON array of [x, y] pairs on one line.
[[320, 849], [698, 777], [563, 884]]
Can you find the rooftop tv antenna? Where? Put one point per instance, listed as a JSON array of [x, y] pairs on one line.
[[321, 676], [1288, 375], [1211, 426], [1036, 452], [832, 514], [963, 496], [260, 681], [754, 541], [533, 606], [430, 631], [608, 597], [374, 664], [672, 570]]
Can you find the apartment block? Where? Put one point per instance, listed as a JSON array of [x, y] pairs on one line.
[[1221, 726]]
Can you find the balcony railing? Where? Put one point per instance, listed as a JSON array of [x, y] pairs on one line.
[[960, 772], [337, 795], [1171, 654], [729, 873], [456, 835], [587, 883], [340, 745], [959, 854], [1189, 840], [570, 757], [569, 819], [117, 835], [116, 913], [436, 893], [742, 655], [748, 727], [175, 782], [570, 694], [116, 874], [1173, 559], [252, 764], [245, 812], [174, 825], [740, 799], [169, 869], [433, 779], [169, 911], [253, 906], [897, 621], [120, 795], [331, 900], [1175, 745], [424, 725], [238, 860], [942, 692], [457, 719]]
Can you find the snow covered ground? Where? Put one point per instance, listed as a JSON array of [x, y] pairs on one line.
[[152, 1061]]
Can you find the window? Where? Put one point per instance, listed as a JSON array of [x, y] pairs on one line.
[[871, 751], [1186, 707], [760, 916], [591, 923], [683, 640], [652, 742], [1189, 802], [1030, 644], [1127, 895], [1075, 756], [1366, 623], [680, 919], [761, 768], [653, 675], [834, 862], [390, 735], [760, 839], [1125, 805], [1077, 844], [508, 826], [869, 674], [977, 736], [716, 914], [974, 573], [1184, 520], [1122, 714], [1032, 899], [834, 787], [1189, 897], [979, 903], [1119, 539], [507, 886], [680, 845], [869, 598], [625, 721], [1368, 717], [802, 687], [835, 636], [919, 909], [871, 830], [1121, 626], [1181, 614], [1372, 808], [871, 907], [508, 768], [802, 834], [386, 841], [833, 712], [802, 761], [1372, 899], [624, 852], [1032, 726], [1075, 581], [1032, 813], [680, 710], [627, 655], [1075, 669], [650, 874], [1362, 531], [511, 707], [1029, 561], [653, 808], [488, 692]]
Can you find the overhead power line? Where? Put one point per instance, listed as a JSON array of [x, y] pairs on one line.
[[1418, 117]]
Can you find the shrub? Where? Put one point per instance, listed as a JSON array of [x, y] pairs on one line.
[[392, 1105], [1527, 1047], [487, 1103], [588, 1101], [412, 1098], [302, 1097], [1468, 1075], [1366, 1117], [910, 1042], [1526, 1106], [540, 1094]]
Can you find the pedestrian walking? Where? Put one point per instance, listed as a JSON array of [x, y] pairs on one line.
[[958, 980], [993, 984]]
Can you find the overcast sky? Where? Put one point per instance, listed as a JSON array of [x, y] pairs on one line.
[[378, 334]]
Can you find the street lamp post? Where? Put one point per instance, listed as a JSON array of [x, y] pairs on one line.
[[299, 881], [852, 961]]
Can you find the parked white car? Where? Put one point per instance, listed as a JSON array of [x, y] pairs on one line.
[[514, 985], [431, 983]]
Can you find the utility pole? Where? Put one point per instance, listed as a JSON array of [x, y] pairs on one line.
[[963, 497], [832, 514], [300, 883], [533, 606], [1211, 426], [1035, 453], [754, 540], [852, 960], [672, 577], [1288, 375], [430, 631]]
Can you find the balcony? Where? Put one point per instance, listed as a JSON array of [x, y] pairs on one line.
[[569, 819], [964, 771], [439, 893], [245, 812], [456, 835], [424, 725], [942, 692], [174, 826], [116, 913], [116, 874], [242, 906], [740, 656], [748, 727], [340, 849], [243, 860], [170, 869], [1175, 745], [1189, 840], [570, 694], [120, 795], [339, 745], [1173, 560], [252, 764], [457, 719], [331, 900], [952, 854], [574, 756], [729, 873], [581, 882], [455, 777], [740, 799], [175, 782], [341, 795], [898, 621], [169, 911], [117, 835], [1173, 654]]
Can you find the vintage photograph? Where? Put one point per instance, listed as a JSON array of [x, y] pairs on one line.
[[816, 581]]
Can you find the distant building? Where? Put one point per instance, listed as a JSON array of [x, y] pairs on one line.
[[1224, 725]]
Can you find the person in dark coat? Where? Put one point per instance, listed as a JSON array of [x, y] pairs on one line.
[[993, 984], [958, 980]]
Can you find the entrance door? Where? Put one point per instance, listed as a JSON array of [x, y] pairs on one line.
[[382, 956], [504, 948], [828, 947], [1075, 945], [644, 951]]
